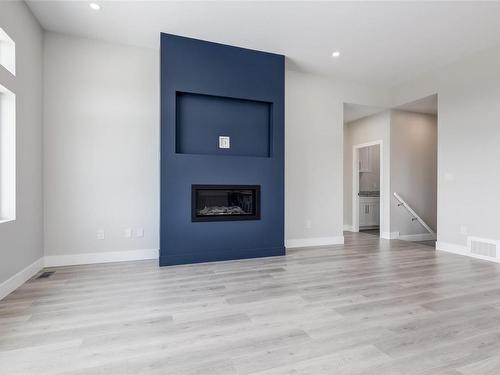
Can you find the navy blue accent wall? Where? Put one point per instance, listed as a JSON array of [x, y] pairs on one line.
[[208, 90]]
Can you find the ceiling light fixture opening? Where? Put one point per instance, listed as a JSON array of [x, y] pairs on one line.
[[94, 6], [336, 54]]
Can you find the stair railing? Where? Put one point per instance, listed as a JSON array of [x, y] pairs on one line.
[[415, 216]]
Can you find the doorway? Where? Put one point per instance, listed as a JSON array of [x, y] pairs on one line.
[[369, 189], [367, 170]]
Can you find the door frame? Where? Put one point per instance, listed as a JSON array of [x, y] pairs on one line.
[[355, 184]]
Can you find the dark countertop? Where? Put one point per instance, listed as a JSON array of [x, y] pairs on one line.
[[369, 193]]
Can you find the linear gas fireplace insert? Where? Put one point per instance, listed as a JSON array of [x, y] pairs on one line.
[[225, 202]]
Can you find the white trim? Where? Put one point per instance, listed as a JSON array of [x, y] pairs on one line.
[[457, 249], [355, 184], [313, 242], [389, 235], [451, 248], [7, 52], [348, 228], [106, 257], [7, 155], [418, 237], [369, 227], [462, 250], [24, 275], [14, 282]]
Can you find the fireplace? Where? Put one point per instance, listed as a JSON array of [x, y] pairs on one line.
[[225, 202]]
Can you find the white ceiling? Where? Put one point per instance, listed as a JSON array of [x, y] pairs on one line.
[[427, 105], [380, 42], [353, 112]]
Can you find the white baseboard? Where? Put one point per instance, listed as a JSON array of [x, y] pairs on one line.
[[106, 257], [451, 248], [313, 242], [461, 250], [408, 237], [418, 237], [14, 282], [348, 228], [389, 235]]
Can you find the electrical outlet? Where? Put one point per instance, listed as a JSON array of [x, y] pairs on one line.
[[100, 234], [127, 233], [139, 232], [308, 224]]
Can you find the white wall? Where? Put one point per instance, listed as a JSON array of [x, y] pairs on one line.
[[101, 142], [365, 130], [413, 170], [101, 137], [314, 155], [468, 152], [313, 144], [21, 240]]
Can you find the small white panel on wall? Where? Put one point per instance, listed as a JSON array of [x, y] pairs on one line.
[[224, 141]]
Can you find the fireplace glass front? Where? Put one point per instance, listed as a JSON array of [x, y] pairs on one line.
[[225, 202]]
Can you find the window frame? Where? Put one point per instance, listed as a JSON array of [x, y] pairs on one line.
[[8, 141], [7, 52]]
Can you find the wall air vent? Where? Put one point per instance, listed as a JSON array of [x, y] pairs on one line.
[[483, 247]]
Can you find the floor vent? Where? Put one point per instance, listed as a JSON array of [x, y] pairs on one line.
[[45, 275], [483, 247]]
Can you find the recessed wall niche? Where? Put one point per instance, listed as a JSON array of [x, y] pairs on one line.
[[201, 119]]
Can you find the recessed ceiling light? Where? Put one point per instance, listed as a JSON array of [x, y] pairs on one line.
[[94, 6], [336, 54]]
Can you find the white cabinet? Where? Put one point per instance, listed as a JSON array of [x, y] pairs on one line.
[[369, 212], [365, 159]]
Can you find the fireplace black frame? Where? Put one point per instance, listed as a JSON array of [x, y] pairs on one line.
[[256, 203]]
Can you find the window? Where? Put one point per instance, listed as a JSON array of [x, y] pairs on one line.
[[7, 155], [7, 133], [7, 52]]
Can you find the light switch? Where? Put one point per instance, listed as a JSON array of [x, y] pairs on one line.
[[128, 233], [100, 234], [139, 232], [224, 141]]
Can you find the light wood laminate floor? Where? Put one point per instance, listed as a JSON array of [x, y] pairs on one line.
[[370, 306]]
